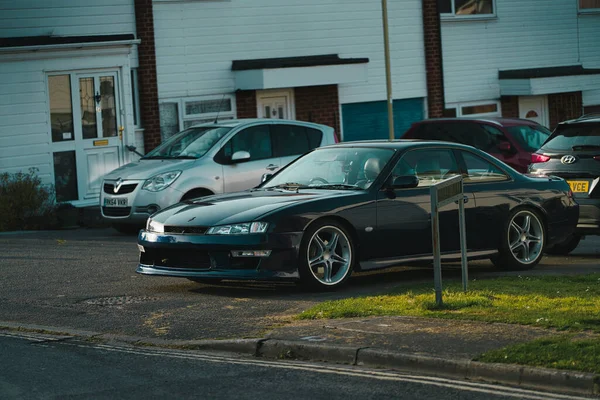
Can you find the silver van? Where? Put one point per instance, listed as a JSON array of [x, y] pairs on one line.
[[211, 158]]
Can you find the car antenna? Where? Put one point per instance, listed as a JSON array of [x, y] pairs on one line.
[[219, 110]]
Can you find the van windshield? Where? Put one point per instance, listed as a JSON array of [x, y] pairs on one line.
[[191, 143]]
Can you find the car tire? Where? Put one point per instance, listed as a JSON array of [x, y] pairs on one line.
[[522, 243], [327, 256], [128, 229], [564, 248]]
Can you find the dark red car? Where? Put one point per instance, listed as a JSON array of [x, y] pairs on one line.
[[511, 140]]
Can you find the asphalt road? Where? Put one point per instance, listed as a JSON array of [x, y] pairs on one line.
[[37, 367], [85, 279]]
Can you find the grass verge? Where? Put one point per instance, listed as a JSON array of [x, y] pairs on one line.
[[561, 302], [561, 352]]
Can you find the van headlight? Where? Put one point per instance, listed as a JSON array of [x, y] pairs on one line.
[[154, 226], [238, 229], [161, 181]]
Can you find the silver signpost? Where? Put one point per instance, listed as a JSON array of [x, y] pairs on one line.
[[443, 193]]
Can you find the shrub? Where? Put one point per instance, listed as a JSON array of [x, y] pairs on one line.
[[25, 203]]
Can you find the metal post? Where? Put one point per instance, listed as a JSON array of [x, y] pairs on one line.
[[388, 73], [463, 243], [435, 240]]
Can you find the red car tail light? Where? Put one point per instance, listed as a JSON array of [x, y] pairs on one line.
[[539, 158], [597, 158]]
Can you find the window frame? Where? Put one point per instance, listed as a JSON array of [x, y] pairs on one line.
[[453, 17], [458, 107], [580, 10], [462, 165]]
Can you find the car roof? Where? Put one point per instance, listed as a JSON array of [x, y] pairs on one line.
[[586, 118], [232, 123], [398, 144], [500, 121]]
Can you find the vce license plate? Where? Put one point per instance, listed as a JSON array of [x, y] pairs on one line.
[[579, 186], [114, 202]]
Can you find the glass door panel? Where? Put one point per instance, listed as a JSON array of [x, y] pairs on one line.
[[87, 100], [108, 106]]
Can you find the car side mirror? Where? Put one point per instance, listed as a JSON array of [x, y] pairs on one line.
[[505, 147], [405, 182], [265, 177], [240, 156]]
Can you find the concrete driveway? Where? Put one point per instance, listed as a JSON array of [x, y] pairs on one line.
[[85, 279]]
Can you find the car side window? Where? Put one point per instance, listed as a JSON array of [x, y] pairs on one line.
[[315, 137], [495, 137], [429, 165], [480, 170], [290, 140], [256, 140]]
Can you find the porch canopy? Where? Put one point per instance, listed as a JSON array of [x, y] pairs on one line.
[[287, 72], [541, 81]]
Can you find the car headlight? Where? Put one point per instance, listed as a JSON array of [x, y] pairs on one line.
[[154, 226], [238, 229], [161, 181]]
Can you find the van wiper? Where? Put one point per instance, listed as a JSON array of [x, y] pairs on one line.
[[586, 147]]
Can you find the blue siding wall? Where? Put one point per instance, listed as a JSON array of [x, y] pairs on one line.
[[364, 121]]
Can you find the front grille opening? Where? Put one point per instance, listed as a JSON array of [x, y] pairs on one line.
[[196, 259], [186, 230], [109, 188], [116, 211]]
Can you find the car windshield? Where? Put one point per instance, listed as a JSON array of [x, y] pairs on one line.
[[191, 143], [530, 138], [345, 168], [574, 137]]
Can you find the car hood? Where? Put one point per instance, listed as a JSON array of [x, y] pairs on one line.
[[144, 169], [238, 207]]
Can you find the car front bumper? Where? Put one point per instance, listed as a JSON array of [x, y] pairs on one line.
[[140, 204], [210, 256]]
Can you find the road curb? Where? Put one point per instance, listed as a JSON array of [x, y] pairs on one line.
[[567, 382]]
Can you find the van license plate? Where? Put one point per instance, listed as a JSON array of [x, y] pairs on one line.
[[113, 202], [579, 186]]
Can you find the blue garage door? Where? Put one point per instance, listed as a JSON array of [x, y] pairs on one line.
[[363, 121]]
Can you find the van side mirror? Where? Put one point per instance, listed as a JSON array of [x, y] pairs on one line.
[[265, 177], [405, 182], [240, 156]]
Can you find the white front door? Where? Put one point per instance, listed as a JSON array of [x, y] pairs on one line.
[[85, 114], [275, 104], [534, 108]]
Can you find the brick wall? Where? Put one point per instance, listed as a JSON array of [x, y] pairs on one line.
[[148, 90], [564, 106], [245, 101], [319, 104], [433, 58], [510, 106]]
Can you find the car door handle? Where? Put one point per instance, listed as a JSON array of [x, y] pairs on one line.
[[272, 167], [465, 200]]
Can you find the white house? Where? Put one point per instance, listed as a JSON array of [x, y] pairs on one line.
[[82, 80]]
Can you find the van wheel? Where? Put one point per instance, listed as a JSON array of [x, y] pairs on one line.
[[195, 193], [564, 248]]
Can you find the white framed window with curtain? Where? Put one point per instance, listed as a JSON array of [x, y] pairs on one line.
[[467, 9], [479, 109], [181, 113]]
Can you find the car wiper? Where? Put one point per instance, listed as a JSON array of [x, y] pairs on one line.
[[186, 158], [157, 158], [586, 147], [289, 186], [336, 186]]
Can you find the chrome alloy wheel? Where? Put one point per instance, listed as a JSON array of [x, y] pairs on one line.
[[526, 237], [329, 255]]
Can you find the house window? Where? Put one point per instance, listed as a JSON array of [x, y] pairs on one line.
[[490, 108], [480, 109], [135, 98], [207, 109], [179, 114], [589, 5], [467, 8]]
